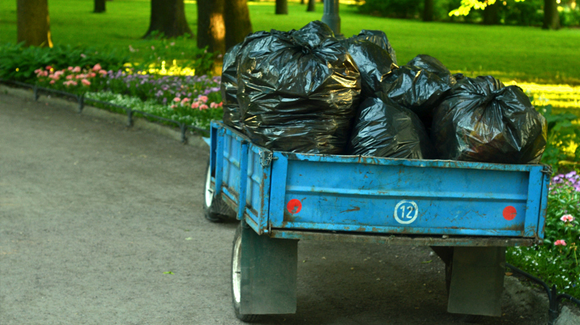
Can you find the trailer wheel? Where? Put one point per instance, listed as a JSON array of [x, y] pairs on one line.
[[215, 209], [237, 277]]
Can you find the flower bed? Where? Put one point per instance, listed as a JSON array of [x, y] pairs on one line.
[[556, 261], [193, 100]]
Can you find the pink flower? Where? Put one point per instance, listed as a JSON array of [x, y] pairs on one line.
[[52, 82], [213, 105], [185, 100], [202, 98], [177, 99], [202, 107], [567, 218], [76, 69], [70, 68], [86, 82], [560, 242], [48, 67], [70, 83], [37, 71], [102, 72], [195, 105], [69, 77], [83, 56], [173, 106], [97, 67], [221, 104]]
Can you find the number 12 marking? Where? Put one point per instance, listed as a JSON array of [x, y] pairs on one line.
[[406, 212]]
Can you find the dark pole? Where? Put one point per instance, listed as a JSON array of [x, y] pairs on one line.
[[331, 17]]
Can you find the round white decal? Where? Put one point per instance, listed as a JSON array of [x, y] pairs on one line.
[[406, 212]]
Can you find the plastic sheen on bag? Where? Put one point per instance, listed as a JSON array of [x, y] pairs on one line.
[[414, 88], [383, 129], [431, 64], [298, 91], [229, 88], [481, 120], [374, 64], [379, 38]]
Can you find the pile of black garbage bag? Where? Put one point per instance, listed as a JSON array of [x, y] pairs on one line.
[[308, 91]]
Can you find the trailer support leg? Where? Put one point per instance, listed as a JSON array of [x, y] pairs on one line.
[[477, 281], [268, 274]]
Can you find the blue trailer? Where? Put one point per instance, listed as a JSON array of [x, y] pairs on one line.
[[467, 212]]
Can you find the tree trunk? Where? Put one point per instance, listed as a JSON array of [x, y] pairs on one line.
[[99, 6], [33, 23], [428, 9], [211, 28], [237, 20], [551, 15], [302, 2], [281, 7], [311, 5], [491, 14], [168, 18]]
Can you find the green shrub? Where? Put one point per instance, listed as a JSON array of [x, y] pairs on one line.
[[179, 51], [523, 13], [19, 63], [570, 17], [562, 134], [392, 8]]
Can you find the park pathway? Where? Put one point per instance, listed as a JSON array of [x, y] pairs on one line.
[[102, 224]]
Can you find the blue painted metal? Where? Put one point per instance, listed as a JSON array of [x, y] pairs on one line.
[[259, 181], [543, 205], [243, 181], [289, 192]]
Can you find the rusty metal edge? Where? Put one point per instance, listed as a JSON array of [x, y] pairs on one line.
[[403, 240]]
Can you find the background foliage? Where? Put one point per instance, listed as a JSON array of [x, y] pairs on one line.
[[520, 53]]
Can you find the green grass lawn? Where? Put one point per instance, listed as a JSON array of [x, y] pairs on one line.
[[520, 53]]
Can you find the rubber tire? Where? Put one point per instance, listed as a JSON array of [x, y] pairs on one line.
[[236, 276], [214, 209]]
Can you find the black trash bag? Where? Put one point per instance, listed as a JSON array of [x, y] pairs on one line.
[[458, 76], [481, 120], [431, 64], [379, 38], [229, 88], [384, 129], [416, 89], [374, 64], [298, 91], [229, 82]]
